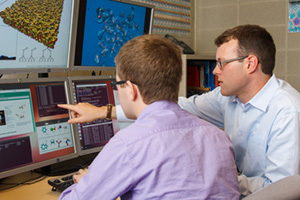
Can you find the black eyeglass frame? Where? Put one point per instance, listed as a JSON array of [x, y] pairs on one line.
[[220, 64], [114, 84]]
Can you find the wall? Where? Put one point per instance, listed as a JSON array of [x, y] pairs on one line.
[[190, 40], [212, 17]]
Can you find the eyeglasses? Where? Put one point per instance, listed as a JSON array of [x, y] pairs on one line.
[[114, 84], [222, 63]]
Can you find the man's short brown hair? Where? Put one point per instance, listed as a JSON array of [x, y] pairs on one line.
[[154, 64], [252, 39]]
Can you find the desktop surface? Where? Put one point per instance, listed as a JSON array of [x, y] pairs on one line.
[[35, 191], [40, 189]]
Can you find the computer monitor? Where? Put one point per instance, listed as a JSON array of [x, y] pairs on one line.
[[92, 136], [34, 132], [103, 27], [35, 35]]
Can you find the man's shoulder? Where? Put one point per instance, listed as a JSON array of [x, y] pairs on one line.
[[286, 97], [287, 93], [166, 121]]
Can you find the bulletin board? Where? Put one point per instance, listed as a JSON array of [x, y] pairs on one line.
[[171, 16]]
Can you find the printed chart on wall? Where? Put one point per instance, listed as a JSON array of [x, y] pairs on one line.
[[171, 16], [294, 17], [34, 34]]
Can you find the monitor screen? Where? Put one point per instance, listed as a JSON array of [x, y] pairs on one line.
[[34, 132], [92, 136], [35, 35], [103, 27]]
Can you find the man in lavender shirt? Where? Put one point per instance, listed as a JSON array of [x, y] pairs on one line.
[[167, 153]]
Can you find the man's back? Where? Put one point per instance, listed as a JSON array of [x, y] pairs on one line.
[[175, 155]]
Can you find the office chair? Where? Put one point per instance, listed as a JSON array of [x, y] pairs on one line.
[[285, 189]]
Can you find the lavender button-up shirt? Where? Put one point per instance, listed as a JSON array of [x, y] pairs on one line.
[[167, 153]]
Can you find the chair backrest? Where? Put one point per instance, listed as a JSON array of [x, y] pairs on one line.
[[285, 189]]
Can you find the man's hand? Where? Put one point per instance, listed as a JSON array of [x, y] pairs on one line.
[[79, 175], [84, 112]]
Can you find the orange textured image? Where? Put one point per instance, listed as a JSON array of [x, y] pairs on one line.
[[38, 19]]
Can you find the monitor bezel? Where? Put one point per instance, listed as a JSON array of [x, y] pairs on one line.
[[17, 70], [75, 126], [75, 39], [41, 164]]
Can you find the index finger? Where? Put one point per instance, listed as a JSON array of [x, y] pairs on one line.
[[66, 106]]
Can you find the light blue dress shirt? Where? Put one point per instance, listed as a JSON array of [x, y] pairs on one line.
[[264, 131], [166, 154]]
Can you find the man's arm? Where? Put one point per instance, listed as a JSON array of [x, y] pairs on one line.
[[86, 112], [207, 106], [109, 176], [282, 153]]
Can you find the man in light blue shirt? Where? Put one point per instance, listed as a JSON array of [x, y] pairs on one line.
[[259, 112], [167, 153]]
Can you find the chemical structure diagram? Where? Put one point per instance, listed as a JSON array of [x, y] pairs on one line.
[[53, 137], [32, 57]]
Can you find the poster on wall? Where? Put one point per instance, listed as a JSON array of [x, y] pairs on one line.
[[294, 16], [171, 16]]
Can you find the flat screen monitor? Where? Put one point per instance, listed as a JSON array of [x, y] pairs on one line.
[[103, 27], [92, 136], [34, 132], [35, 35]]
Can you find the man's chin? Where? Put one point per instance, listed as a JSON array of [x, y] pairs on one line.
[[129, 116], [224, 93]]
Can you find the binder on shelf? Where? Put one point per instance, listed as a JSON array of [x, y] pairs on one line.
[[200, 77], [213, 78], [193, 76], [205, 64]]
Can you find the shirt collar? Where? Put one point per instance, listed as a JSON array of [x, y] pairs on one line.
[[262, 99], [157, 106]]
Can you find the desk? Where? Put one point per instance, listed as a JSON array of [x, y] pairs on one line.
[[37, 191], [40, 190]]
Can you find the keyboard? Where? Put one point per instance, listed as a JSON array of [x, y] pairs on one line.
[[61, 183]]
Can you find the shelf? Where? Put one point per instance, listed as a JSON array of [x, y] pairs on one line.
[[200, 56], [196, 58]]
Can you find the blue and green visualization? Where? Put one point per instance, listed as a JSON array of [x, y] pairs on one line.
[[108, 26]]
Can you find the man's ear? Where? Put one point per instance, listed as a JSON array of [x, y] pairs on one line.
[[133, 91], [252, 64]]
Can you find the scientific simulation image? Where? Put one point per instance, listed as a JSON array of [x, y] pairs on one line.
[[108, 26], [37, 19]]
